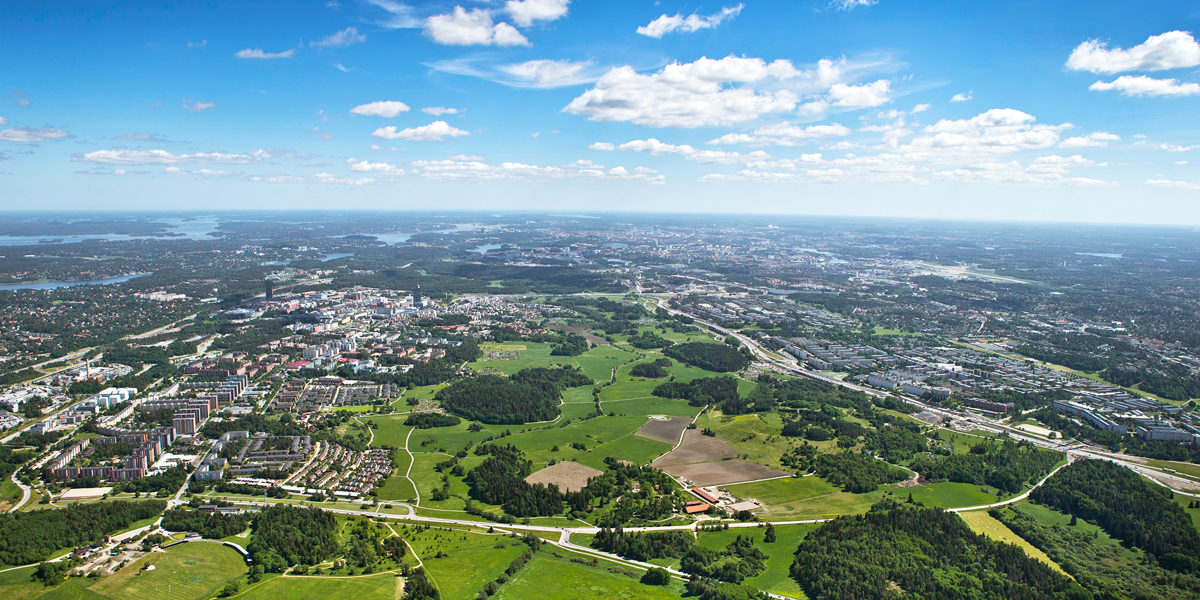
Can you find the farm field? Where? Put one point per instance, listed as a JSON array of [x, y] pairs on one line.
[[548, 577], [184, 572], [754, 437], [16, 585], [384, 586], [814, 498], [983, 523]]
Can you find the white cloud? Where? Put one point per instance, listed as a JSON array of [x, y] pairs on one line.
[[842, 145], [860, 96], [140, 137], [548, 73], [433, 132], [279, 153], [1180, 162], [472, 28], [258, 53], [341, 39], [398, 14], [1099, 139], [526, 12], [1142, 85], [531, 74], [666, 24], [603, 146], [29, 134], [1167, 183], [655, 147], [333, 180], [197, 106], [375, 167], [3, 121], [962, 97], [383, 108], [1174, 148], [160, 157], [205, 173], [474, 169], [782, 134], [1171, 50], [199, 44], [920, 108], [438, 111], [851, 4], [688, 95]]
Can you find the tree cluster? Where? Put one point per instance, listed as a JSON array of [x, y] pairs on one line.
[[288, 535], [719, 358], [28, 537]]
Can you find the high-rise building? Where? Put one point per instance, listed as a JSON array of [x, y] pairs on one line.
[[417, 297], [269, 286]]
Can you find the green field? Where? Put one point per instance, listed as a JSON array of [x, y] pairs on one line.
[[389, 430], [384, 586], [548, 577], [471, 559], [184, 572], [16, 585], [777, 578], [753, 436], [983, 523], [10, 494], [596, 363], [814, 498]]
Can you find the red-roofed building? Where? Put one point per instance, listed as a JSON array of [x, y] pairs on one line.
[[705, 495], [694, 507]]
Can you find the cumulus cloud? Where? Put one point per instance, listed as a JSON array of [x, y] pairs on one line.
[[160, 157], [474, 169], [197, 106], [527, 12], [381, 168], [438, 111], [333, 180], [30, 134], [666, 24], [433, 132], [920, 108], [1099, 139], [259, 54], [603, 146], [688, 95], [1167, 183], [1142, 85], [1171, 50], [962, 97], [655, 147], [964, 150], [199, 44], [383, 108], [3, 121], [851, 4], [472, 28], [341, 39]]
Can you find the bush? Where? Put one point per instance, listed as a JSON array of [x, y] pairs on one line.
[[656, 576]]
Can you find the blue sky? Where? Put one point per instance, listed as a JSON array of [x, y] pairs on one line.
[[1085, 111]]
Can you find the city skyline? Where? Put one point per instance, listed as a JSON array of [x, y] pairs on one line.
[[856, 108]]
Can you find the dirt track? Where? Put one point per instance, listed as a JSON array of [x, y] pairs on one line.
[[568, 476]]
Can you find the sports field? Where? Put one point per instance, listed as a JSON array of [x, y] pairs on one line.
[[184, 572]]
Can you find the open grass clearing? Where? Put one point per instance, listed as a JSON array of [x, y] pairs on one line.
[[548, 577], [383, 586], [470, 560], [777, 577], [184, 572], [982, 523]]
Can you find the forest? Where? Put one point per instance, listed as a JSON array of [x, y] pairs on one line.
[[700, 392], [1006, 466], [856, 473], [288, 535], [1105, 569], [527, 396], [656, 369], [925, 553], [720, 358], [644, 546], [429, 420], [28, 537], [213, 526], [1128, 508], [500, 479]]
